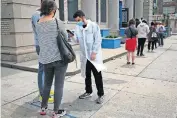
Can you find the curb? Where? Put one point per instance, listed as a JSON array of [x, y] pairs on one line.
[[67, 74]]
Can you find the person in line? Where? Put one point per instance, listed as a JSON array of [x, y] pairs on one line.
[[137, 22], [143, 30], [131, 35], [157, 39], [161, 30], [50, 57], [87, 34], [152, 37], [35, 18]]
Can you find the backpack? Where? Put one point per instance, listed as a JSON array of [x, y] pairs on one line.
[[66, 51], [154, 35], [161, 29]]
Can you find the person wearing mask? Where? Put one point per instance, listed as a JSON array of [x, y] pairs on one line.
[[87, 33], [143, 30], [161, 30], [152, 37], [34, 19], [131, 35], [50, 57]]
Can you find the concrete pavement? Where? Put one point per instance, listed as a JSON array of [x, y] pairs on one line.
[[145, 90]]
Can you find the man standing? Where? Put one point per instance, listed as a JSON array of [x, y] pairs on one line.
[[35, 18], [161, 30], [87, 33], [143, 30]]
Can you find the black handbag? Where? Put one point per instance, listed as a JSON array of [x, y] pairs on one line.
[[66, 51]]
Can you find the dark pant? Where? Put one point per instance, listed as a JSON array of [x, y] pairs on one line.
[[141, 42], [151, 45], [59, 70], [161, 39], [98, 79]]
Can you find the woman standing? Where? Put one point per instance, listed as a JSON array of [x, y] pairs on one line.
[[131, 34], [152, 37], [50, 57]]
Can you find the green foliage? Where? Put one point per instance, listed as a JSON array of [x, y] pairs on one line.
[[111, 36]]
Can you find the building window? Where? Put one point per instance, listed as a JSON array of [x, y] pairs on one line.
[[61, 9], [97, 11], [72, 8], [103, 10]]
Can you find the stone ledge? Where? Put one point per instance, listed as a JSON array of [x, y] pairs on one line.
[[70, 73]]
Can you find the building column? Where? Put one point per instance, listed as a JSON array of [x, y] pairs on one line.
[[148, 10], [113, 15], [89, 8], [139, 9], [130, 5], [17, 34]]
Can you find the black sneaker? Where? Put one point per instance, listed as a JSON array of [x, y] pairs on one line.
[[59, 114], [133, 63], [128, 63], [85, 95], [142, 55]]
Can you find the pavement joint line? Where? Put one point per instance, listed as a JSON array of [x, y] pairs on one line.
[[156, 79], [19, 98], [142, 95], [121, 74], [154, 60]]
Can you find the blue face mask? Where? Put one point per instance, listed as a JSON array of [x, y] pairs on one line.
[[80, 23]]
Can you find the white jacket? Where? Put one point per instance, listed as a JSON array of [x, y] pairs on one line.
[[90, 41], [143, 30]]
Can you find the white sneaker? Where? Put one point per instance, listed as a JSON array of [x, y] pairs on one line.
[[100, 100], [43, 111], [59, 114]]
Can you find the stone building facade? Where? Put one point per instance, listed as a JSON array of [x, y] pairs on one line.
[[17, 35]]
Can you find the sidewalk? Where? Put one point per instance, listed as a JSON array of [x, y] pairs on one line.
[[146, 90], [32, 66]]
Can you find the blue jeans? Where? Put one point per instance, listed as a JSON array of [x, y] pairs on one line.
[[40, 74], [161, 35]]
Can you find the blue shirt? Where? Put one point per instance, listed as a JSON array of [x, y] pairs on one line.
[[34, 19]]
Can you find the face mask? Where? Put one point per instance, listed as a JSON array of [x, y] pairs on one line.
[[80, 23]]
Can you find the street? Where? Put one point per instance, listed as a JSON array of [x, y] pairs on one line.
[[147, 89]]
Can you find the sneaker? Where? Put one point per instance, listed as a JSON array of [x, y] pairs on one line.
[[43, 111], [142, 55], [128, 63], [100, 100], [59, 114], [133, 63], [85, 95], [50, 100]]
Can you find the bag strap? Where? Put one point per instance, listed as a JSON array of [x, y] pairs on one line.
[[58, 29], [131, 33], [57, 23]]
